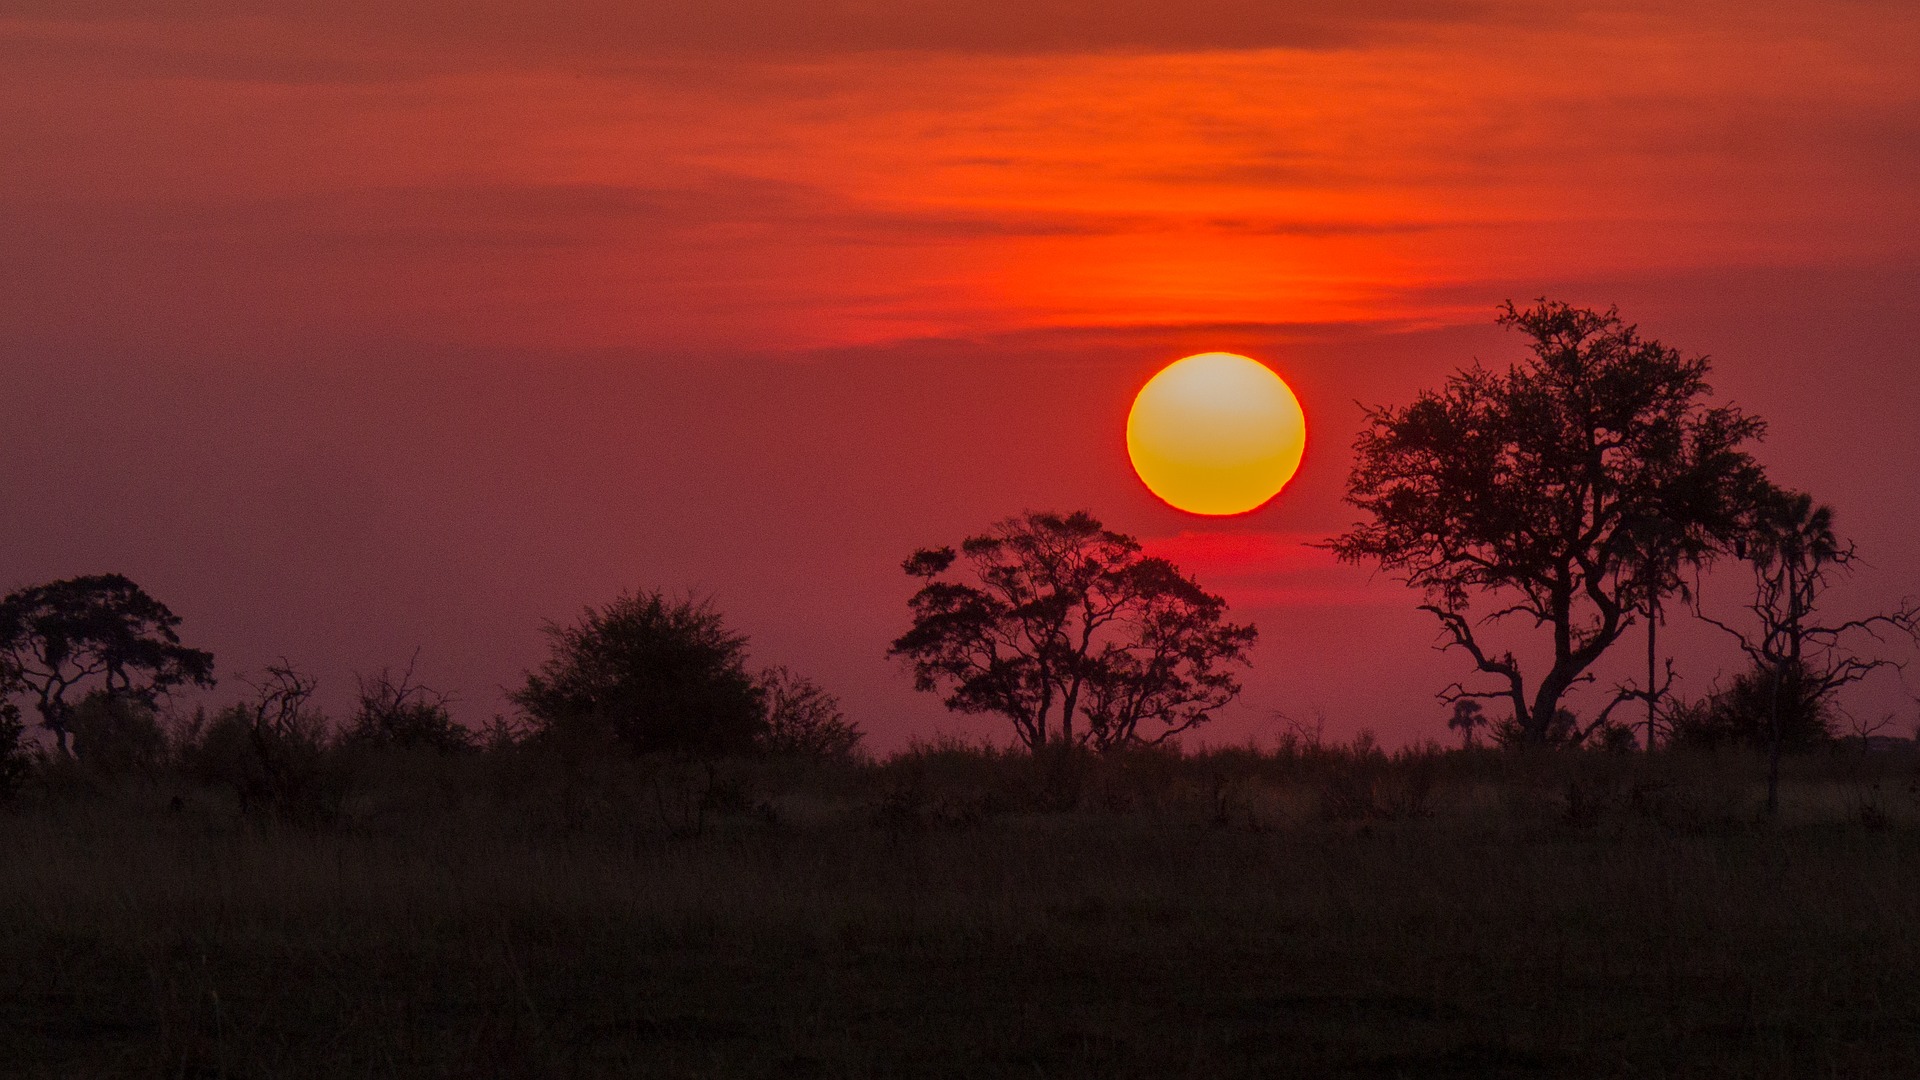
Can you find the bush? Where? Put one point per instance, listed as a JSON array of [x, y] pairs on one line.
[[397, 712], [1742, 714], [803, 720], [16, 756], [649, 674], [271, 752], [115, 735]]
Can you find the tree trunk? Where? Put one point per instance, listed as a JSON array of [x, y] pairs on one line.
[[1521, 715], [1653, 696], [53, 719], [1779, 685], [1546, 700], [1773, 749], [1546, 705]]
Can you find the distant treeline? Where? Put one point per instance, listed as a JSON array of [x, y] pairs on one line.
[[1577, 494], [96, 657]]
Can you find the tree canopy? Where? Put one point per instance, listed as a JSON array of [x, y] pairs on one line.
[[1056, 619], [63, 640], [1569, 491]]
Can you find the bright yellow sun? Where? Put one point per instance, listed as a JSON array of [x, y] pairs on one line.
[[1216, 433]]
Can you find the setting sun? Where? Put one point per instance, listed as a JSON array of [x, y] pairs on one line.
[[1216, 433]]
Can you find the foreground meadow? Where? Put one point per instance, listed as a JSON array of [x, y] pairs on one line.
[[961, 914]]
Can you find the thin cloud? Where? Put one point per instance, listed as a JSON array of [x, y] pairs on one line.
[[356, 38]]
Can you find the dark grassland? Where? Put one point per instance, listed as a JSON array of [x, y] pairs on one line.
[[950, 913]]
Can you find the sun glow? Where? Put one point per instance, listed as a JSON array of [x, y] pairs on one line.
[[1216, 433]]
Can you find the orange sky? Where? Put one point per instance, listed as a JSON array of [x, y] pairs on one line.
[[468, 314]]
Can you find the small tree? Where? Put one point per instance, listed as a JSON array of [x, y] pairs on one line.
[[1059, 619], [1467, 715], [102, 633], [804, 720], [1571, 488], [649, 673], [1800, 662]]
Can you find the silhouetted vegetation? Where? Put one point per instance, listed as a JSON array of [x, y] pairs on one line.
[[1060, 619], [395, 710], [665, 865], [1760, 708], [274, 753], [1467, 715], [1569, 490], [804, 720], [1580, 490], [650, 674], [116, 735], [1315, 909], [262, 892], [1799, 662], [98, 634], [16, 756]]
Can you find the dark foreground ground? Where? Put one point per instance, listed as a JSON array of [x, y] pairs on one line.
[[1480, 919]]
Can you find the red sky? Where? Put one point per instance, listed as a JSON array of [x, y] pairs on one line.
[[347, 330]]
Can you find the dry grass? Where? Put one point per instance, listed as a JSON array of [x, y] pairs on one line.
[[955, 914]]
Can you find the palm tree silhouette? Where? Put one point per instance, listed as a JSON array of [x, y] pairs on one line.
[[1467, 715]]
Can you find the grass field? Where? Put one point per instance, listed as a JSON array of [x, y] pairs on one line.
[[963, 915]]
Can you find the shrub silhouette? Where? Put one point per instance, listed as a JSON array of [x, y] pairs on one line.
[[116, 735], [647, 673], [16, 758], [272, 752], [803, 720], [1742, 713], [395, 711], [1800, 660]]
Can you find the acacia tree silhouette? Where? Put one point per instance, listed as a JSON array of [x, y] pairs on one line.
[[97, 633], [1065, 619], [1574, 487]]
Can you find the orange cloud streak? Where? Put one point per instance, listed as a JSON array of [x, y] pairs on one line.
[[762, 198]]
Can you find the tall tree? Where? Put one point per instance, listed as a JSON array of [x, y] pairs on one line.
[[60, 641], [1057, 619], [1571, 489], [1799, 660]]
